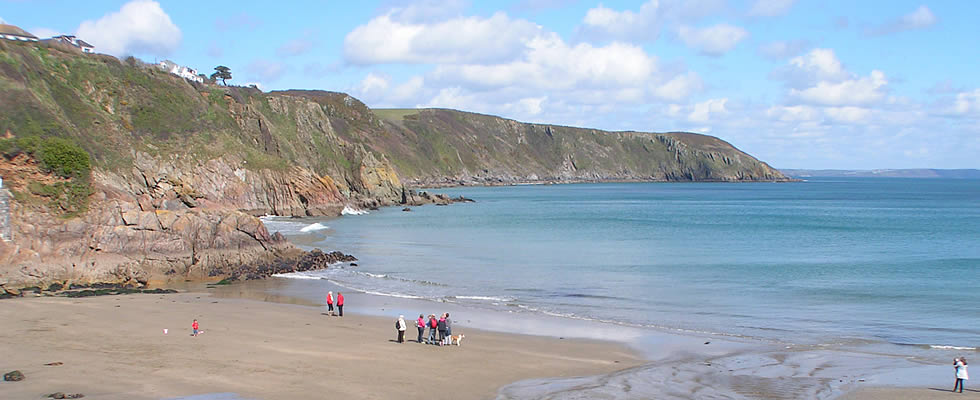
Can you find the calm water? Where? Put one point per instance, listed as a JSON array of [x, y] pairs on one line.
[[824, 261]]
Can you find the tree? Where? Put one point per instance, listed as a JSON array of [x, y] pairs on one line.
[[221, 72]]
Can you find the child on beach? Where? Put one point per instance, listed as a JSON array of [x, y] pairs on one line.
[[961, 374], [194, 326], [329, 303]]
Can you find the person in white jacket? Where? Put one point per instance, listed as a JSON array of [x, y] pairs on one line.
[[400, 325], [961, 374]]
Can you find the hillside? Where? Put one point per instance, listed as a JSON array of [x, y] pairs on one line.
[[175, 172]]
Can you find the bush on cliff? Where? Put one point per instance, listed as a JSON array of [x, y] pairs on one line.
[[60, 157]]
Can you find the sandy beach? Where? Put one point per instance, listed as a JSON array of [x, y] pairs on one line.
[[113, 347]]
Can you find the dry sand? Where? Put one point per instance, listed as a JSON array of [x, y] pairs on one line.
[[113, 347]]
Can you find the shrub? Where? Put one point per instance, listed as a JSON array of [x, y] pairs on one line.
[[64, 158]]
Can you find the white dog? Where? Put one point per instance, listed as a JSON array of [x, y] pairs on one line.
[[456, 339]]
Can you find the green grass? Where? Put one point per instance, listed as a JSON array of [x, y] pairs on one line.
[[395, 114]]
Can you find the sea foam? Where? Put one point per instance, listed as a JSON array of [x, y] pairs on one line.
[[314, 227], [348, 210]]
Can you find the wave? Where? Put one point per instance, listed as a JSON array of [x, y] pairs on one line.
[[376, 293], [944, 347], [487, 298], [314, 227], [348, 210]]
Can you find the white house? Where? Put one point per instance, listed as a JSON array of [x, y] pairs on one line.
[[72, 40], [11, 32], [181, 71]]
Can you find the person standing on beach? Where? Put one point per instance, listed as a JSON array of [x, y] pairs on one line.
[[420, 323], [433, 326], [194, 327], [400, 327], [442, 330], [961, 373], [340, 303], [329, 303], [449, 328]]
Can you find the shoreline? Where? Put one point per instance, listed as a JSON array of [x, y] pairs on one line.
[[264, 349], [689, 365]]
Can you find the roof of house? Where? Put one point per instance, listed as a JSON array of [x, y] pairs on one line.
[[82, 43], [13, 30]]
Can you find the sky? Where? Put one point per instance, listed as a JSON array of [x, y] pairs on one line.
[[796, 83]]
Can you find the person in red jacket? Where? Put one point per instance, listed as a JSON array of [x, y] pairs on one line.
[[340, 303], [194, 326], [420, 323], [329, 303]]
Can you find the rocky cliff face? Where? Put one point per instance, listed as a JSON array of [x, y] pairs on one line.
[[180, 170]]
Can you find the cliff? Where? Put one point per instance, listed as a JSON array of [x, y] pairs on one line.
[[178, 170]]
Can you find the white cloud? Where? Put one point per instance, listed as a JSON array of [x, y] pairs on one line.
[[645, 23], [373, 86], [967, 103], [714, 40], [921, 18], [781, 49], [265, 71], [2, 21], [551, 63], [385, 39], [793, 113], [140, 26], [679, 87], [705, 110], [848, 114], [770, 8], [861, 91]]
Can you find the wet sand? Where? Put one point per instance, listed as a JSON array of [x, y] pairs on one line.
[[113, 347], [933, 393]]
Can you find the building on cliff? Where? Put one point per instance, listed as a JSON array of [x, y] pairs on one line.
[[11, 32], [181, 71], [80, 44]]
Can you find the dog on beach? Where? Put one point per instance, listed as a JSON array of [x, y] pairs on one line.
[[456, 339]]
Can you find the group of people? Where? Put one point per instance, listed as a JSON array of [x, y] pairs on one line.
[[440, 329], [959, 364], [340, 303]]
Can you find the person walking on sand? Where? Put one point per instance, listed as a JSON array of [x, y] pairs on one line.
[[420, 323], [961, 373], [442, 329], [194, 327], [329, 303], [400, 327], [340, 303], [433, 326]]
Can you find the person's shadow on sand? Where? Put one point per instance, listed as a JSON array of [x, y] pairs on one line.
[[948, 390]]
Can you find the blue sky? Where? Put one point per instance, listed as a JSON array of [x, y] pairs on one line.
[[797, 83]]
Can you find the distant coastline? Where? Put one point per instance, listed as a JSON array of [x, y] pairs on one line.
[[923, 173]]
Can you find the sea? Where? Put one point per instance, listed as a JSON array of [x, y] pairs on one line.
[[886, 262]]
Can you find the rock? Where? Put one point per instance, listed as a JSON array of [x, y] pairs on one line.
[[13, 376], [56, 395], [353, 264], [131, 217], [406, 209], [55, 364], [54, 287]]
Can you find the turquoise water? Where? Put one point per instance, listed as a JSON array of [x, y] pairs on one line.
[[824, 261]]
